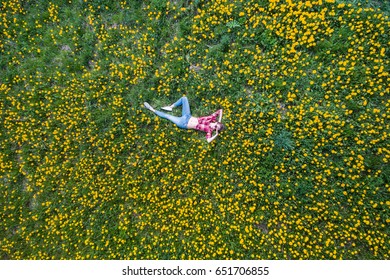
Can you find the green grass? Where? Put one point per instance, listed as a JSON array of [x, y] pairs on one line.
[[301, 172]]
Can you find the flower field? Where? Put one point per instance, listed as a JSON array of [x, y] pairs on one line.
[[301, 171]]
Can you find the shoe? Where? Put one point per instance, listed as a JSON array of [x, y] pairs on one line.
[[167, 108], [147, 106]]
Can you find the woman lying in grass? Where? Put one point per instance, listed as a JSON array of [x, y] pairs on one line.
[[207, 124]]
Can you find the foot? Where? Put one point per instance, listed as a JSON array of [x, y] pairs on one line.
[[147, 106], [167, 108]]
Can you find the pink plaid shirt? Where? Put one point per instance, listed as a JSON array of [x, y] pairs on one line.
[[204, 123]]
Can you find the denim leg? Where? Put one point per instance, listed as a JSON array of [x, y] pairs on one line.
[[175, 120], [186, 111]]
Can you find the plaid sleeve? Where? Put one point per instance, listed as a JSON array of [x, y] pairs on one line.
[[214, 115]]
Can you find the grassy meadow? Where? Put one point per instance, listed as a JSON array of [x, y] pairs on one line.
[[301, 171]]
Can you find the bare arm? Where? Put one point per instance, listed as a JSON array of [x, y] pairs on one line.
[[220, 115]]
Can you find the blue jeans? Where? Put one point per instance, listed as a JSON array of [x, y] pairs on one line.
[[182, 121]]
